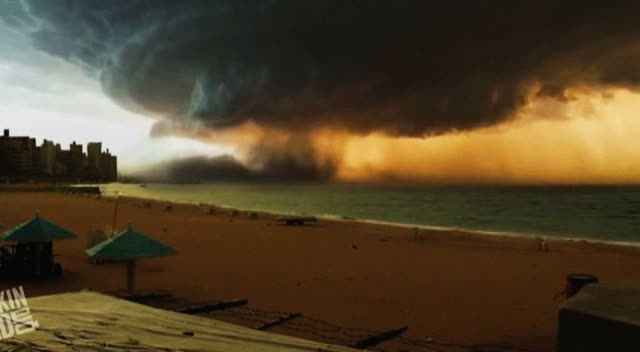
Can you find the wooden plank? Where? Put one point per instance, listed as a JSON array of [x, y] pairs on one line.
[[279, 321], [376, 339], [210, 307]]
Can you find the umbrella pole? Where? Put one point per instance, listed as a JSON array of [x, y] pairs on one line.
[[115, 213], [131, 271]]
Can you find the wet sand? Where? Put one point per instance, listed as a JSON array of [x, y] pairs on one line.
[[449, 286]]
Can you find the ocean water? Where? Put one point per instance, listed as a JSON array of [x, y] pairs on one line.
[[599, 213]]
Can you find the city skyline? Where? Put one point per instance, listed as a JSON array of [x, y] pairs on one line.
[[21, 159]]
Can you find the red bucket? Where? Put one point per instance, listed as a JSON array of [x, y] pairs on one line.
[[575, 282]]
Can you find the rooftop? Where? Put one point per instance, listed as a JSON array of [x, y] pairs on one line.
[[129, 244], [93, 321], [37, 229]]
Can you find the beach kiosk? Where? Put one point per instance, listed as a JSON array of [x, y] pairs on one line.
[[129, 246], [31, 256]]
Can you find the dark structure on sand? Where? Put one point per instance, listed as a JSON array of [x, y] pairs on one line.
[[129, 246], [30, 254]]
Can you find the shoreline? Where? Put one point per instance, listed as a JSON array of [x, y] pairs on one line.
[[450, 286], [342, 218]]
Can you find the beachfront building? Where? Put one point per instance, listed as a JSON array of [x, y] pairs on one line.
[[101, 166], [109, 166], [22, 160], [94, 158], [17, 155], [47, 158], [76, 162]]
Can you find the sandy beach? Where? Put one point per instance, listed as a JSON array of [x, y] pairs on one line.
[[449, 286]]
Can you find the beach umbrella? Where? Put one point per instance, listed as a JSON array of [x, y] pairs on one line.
[[129, 245], [37, 229], [35, 233]]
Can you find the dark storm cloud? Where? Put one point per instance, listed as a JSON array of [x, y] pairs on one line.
[[407, 67], [275, 167]]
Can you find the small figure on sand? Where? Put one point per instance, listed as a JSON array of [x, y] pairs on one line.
[[543, 245], [144, 205]]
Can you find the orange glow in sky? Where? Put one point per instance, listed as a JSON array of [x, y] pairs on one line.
[[593, 138]]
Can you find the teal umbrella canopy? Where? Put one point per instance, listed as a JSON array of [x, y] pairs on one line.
[[37, 229], [129, 245]]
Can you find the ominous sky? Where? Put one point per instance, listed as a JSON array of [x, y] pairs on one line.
[[354, 90]]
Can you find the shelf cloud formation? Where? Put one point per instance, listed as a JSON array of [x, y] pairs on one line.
[[402, 68]]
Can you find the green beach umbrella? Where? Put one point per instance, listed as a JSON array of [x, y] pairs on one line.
[[129, 245], [37, 229], [34, 233]]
